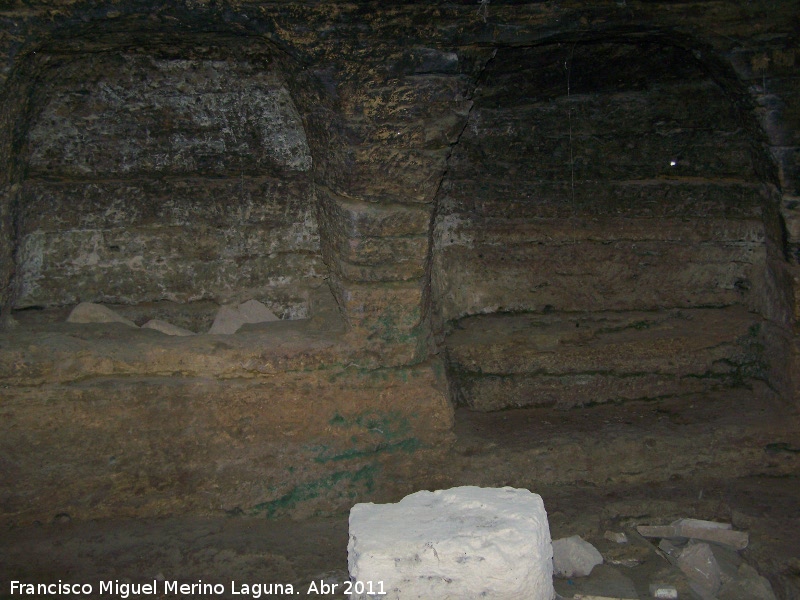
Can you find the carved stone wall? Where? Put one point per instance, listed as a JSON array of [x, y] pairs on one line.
[[513, 202]]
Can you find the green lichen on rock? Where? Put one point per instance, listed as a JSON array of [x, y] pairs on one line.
[[327, 455], [374, 433], [339, 484]]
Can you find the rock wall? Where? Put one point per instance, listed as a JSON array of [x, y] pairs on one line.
[[384, 95], [112, 422], [429, 163]]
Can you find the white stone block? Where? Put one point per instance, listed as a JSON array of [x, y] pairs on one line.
[[574, 557], [88, 312], [459, 544]]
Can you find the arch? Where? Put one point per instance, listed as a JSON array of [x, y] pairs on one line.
[[220, 157], [584, 198]]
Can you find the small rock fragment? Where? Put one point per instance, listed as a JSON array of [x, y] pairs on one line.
[[62, 519], [89, 312], [165, 327], [728, 561], [574, 557], [628, 563], [656, 531], [616, 536], [592, 597], [700, 524], [670, 549], [699, 565], [663, 591], [709, 531], [254, 311], [748, 585], [229, 318], [227, 322]]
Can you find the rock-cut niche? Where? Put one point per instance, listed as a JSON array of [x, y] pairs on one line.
[[600, 232], [175, 173]]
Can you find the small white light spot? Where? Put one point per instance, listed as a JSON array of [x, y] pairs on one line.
[[672, 163]]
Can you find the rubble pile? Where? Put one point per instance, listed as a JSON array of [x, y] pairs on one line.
[[229, 318], [688, 558]]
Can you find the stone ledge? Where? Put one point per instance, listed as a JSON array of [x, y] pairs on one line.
[[63, 353], [721, 435], [501, 361], [291, 443]]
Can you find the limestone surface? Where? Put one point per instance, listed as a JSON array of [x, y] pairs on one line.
[[462, 543]]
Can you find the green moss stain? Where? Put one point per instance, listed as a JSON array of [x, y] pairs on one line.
[[374, 433], [358, 376], [326, 455], [337, 419], [438, 369], [366, 437], [363, 479], [392, 327], [389, 425]]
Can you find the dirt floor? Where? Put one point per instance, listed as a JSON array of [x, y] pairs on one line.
[[761, 496]]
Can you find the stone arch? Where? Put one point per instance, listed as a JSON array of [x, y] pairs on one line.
[[612, 182]]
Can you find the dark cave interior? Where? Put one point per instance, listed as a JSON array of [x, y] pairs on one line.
[[549, 245]]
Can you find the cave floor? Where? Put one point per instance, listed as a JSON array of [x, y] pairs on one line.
[[759, 493]]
